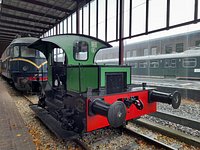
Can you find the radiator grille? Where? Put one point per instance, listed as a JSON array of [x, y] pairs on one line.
[[115, 82]]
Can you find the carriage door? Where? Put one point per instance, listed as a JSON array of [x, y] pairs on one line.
[[170, 68], [59, 69]]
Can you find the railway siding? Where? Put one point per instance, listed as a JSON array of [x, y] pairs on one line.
[[178, 120], [169, 132]]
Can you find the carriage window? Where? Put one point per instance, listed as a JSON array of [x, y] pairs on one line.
[[173, 63], [143, 64], [27, 52], [134, 65], [80, 50], [167, 64], [16, 51], [189, 62], [154, 64], [197, 43]]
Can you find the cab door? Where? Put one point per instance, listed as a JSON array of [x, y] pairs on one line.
[[59, 68]]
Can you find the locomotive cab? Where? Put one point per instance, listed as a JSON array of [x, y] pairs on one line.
[[81, 96]]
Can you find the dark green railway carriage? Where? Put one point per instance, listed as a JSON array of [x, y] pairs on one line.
[[184, 65]]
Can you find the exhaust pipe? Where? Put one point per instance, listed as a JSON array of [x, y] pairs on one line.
[[115, 113], [169, 98]]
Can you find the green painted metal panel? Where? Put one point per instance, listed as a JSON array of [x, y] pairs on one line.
[[114, 69], [88, 78], [73, 79]]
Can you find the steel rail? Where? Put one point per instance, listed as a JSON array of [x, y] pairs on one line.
[[194, 124], [150, 140], [189, 139]]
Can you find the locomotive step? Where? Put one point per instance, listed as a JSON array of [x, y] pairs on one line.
[[52, 123]]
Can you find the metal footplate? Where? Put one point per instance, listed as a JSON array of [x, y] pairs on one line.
[[53, 124]]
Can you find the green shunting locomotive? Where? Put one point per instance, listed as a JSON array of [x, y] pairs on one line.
[[81, 96]]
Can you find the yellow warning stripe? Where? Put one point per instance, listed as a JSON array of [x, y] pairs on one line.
[[29, 61], [5, 58]]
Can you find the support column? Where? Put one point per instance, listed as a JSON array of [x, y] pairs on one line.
[[77, 22], [121, 33]]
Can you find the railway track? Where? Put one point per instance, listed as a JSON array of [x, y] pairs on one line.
[[189, 139], [85, 146], [147, 139], [81, 144], [194, 124]]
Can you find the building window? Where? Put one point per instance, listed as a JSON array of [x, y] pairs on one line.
[[146, 52], [168, 49], [134, 53], [154, 50], [179, 47], [128, 54], [197, 43]]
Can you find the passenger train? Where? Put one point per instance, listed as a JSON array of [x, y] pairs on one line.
[[24, 67], [184, 65], [81, 96]]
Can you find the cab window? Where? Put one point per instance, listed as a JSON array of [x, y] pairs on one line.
[[59, 55], [80, 50], [41, 55], [16, 51], [27, 52]]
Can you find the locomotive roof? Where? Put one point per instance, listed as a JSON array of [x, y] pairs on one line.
[[66, 42], [24, 40]]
